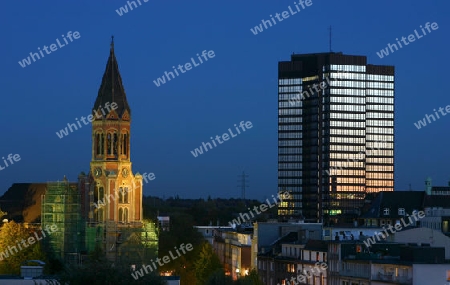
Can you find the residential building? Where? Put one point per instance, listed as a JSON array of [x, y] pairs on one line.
[[164, 222], [234, 251], [348, 233], [437, 213], [424, 236], [390, 208], [290, 259], [266, 234], [350, 263], [335, 134], [210, 232]]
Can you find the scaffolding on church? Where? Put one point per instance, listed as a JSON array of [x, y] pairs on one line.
[[61, 205], [133, 243]]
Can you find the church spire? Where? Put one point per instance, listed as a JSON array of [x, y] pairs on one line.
[[111, 90]]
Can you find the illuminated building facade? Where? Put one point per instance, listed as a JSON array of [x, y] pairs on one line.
[[335, 134], [112, 193]]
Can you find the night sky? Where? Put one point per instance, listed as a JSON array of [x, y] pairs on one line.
[[238, 84]]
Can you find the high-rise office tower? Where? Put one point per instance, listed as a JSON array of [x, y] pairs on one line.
[[335, 134]]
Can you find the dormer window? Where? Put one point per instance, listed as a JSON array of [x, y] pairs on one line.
[[401, 211], [386, 211]]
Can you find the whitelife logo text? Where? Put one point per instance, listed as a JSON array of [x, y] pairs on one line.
[[27, 61], [187, 66], [90, 118], [397, 226], [166, 259], [385, 52], [225, 137], [30, 240], [10, 158], [263, 207], [285, 14]]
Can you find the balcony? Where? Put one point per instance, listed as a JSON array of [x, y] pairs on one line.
[[404, 280], [364, 256]]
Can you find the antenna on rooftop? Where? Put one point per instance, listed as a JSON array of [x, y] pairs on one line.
[[330, 38]]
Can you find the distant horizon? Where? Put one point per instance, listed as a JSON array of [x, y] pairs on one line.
[[203, 198]]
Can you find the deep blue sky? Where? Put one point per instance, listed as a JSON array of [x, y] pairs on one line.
[[240, 83]]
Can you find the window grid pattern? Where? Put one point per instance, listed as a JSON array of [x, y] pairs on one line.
[[332, 139]]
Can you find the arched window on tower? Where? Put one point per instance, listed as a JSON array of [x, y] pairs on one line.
[[122, 144], [125, 144], [120, 215], [109, 142], [97, 144], [115, 144], [102, 144], [112, 141], [96, 194], [125, 215]]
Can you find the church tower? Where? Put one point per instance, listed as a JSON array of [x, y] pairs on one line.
[[116, 193], [111, 194]]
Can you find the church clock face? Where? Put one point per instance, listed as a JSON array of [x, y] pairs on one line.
[[98, 172], [125, 172]]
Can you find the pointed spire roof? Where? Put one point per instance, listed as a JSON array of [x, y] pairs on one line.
[[111, 89]]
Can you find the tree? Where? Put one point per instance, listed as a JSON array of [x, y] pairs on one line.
[[18, 244], [207, 264], [182, 231], [219, 278]]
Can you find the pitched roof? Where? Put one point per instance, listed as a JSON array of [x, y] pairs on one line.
[[393, 200], [437, 201], [111, 90], [22, 201]]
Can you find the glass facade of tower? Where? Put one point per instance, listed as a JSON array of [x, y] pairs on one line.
[[335, 134]]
